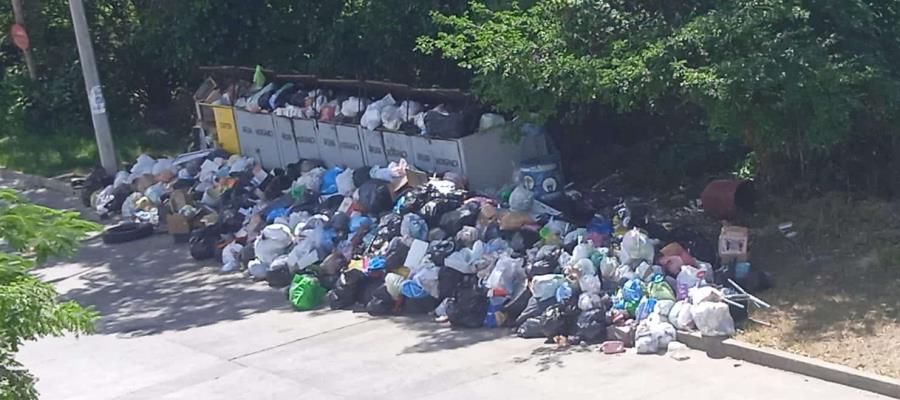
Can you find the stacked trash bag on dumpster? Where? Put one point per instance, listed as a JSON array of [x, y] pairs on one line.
[[390, 242]]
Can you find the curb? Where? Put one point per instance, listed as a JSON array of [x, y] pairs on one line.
[[717, 347], [39, 181]]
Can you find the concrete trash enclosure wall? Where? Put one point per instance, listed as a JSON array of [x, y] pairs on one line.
[[486, 159]]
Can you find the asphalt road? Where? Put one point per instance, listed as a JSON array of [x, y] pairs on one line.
[[172, 328]]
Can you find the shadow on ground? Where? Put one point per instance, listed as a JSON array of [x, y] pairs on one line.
[[152, 285]]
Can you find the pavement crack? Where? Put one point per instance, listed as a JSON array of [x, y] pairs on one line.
[[232, 359]]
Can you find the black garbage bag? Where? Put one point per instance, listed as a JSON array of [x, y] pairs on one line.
[[328, 282], [540, 267], [559, 320], [367, 289], [530, 329], [445, 125], [700, 247], [96, 180], [275, 186], [412, 200], [419, 306], [449, 281], [340, 222], [523, 239], [396, 254], [453, 221], [534, 309], [388, 228], [346, 290], [203, 243], [375, 197], [514, 306], [361, 175], [330, 205], [381, 302], [279, 276], [308, 202], [434, 209], [439, 250], [591, 326], [469, 305]]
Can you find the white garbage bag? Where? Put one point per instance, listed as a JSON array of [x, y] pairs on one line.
[[608, 267], [409, 109], [353, 106], [391, 118], [590, 284], [712, 319], [143, 165], [589, 301], [231, 256], [507, 273], [636, 247], [544, 286], [258, 269], [489, 121], [427, 277], [311, 180], [521, 199], [345, 182], [582, 251], [371, 119], [680, 315], [273, 241]]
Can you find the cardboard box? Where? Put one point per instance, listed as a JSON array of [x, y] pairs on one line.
[[307, 139], [287, 144], [178, 224], [256, 134], [733, 244]]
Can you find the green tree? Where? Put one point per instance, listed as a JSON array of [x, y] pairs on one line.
[[29, 308], [796, 80]]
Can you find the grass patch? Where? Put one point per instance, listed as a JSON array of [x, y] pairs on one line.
[[59, 153]]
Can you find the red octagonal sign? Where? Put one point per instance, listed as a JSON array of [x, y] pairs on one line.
[[20, 37]]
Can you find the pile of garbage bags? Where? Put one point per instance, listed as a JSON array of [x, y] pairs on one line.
[[370, 239]]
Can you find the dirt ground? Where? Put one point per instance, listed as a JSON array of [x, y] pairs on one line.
[[838, 288]]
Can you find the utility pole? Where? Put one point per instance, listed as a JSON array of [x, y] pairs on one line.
[[92, 84], [19, 15]]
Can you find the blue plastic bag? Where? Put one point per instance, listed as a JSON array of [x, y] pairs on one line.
[[632, 291], [563, 292], [358, 221], [329, 181], [411, 289]]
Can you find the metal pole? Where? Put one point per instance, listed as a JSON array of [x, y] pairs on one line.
[[92, 84], [26, 53]]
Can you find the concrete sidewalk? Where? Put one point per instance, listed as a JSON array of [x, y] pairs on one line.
[[172, 328]]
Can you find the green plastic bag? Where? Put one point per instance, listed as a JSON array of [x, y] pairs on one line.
[[659, 289], [305, 292], [259, 78]]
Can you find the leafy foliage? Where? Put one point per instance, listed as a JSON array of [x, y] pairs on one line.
[[793, 79], [29, 308]]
